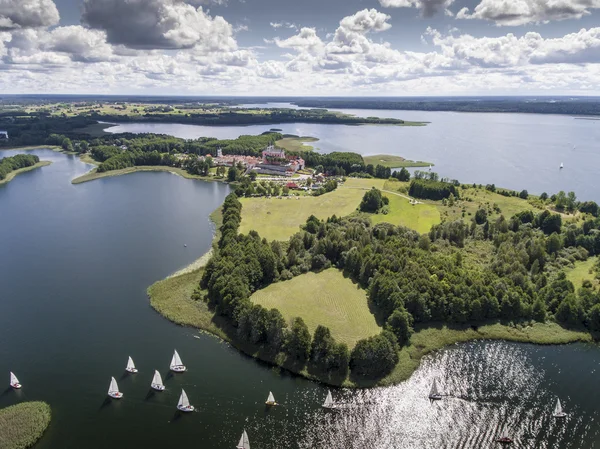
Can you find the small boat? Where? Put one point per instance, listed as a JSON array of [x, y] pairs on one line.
[[244, 442], [504, 439], [558, 410], [271, 400], [130, 368], [561, 166], [14, 382], [113, 389], [157, 382], [185, 245], [430, 168], [328, 400], [184, 403], [434, 394], [176, 363]]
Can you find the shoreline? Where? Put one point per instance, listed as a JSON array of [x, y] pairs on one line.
[[34, 147], [93, 175], [13, 174], [171, 298]]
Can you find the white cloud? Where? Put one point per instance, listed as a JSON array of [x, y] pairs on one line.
[[428, 8], [158, 24], [366, 21], [18, 14], [521, 12], [307, 40]]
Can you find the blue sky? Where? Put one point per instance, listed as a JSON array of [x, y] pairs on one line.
[[308, 47]]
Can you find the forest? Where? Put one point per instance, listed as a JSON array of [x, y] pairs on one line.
[[410, 279], [9, 164]]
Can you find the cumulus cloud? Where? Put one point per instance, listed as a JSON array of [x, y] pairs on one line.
[[18, 14], [307, 40], [366, 21], [428, 8], [521, 12], [511, 51], [158, 24]]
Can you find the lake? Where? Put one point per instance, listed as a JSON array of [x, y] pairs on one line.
[[74, 267], [515, 151]]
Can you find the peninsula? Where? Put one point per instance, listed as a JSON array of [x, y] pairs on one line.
[[22, 425], [352, 287], [15, 165]]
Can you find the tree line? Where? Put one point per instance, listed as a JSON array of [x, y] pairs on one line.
[[12, 163]]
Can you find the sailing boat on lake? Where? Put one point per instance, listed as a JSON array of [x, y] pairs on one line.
[[244, 442], [504, 439], [271, 400], [558, 410], [157, 382], [434, 394], [184, 403], [176, 363], [113, 389], [130, 368], [328, 400], [14, 382]]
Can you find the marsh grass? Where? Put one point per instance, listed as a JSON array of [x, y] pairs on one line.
[[23, 424]]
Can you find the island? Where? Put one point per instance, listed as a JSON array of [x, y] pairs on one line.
[[15, 165], [22, 425], [354, 286]]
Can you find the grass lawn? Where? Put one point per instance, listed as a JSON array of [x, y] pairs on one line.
[[296, 143], [582, 272], [419, 217], [23, 424], [393, 161], [279, 219], [91, 175], [14, 173], [325, 298]]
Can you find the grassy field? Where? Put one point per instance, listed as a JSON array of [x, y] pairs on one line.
[[14, 173], [583, 272], [419, 217], [23, 424], [92, 175], [33, 147], [393, 161], [431, 339], [278, 219], [296, 143], [325, 298]]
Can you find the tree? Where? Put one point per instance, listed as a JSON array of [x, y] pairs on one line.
[[66, 144], [403, 175], [524, 194], [253, 175], [400, 323], [539, 310], [232, 174], [481, 216], [373, 357], [297, 342], [372, 201], [551, 223]]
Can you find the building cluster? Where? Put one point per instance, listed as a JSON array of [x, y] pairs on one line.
[[273, 162]]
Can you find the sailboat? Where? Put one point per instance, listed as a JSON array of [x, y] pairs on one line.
[[157, 382], [328, 400], [271, 400], [504, 439], [113, 389], [184, 403], [14, 382], [434, 394], [558, 410], [130, 366], [561, 166], [244, 442], [176, 363]]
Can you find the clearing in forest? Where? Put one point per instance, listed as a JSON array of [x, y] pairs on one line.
[[325, 298]]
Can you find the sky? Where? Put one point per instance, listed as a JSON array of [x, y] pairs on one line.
[[300, 47]]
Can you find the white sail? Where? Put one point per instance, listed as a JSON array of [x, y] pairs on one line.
[[328, 400], [176, 360], [114, 388], [434, 389], [271, 398], [558, 410], [183, 400], [130, 364], [13, 379], [157, 380], [244, 442]]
